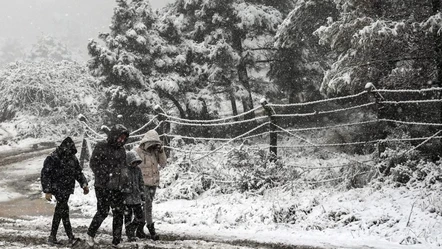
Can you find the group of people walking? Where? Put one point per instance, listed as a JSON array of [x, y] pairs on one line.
[[125, 182]]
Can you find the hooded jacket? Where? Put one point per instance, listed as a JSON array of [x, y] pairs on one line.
[[109, 158], [151, 158], [61, 169], [135, 186]]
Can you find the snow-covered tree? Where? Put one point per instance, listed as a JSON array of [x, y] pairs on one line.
[[183, 54], [44, 98], [300, 60], [385, 42], [49, 48], [180, 67], [124, 64], [232, 31]]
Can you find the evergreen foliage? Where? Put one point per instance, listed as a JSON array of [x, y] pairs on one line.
[[384, 42], [300, 61], [235, 34], [124, 63]]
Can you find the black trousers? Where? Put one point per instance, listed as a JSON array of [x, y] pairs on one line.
[[61, 213], [107, 199], [134, 219]]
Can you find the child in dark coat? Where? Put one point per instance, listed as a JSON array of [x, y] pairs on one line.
[[133, 212], [60, 171]]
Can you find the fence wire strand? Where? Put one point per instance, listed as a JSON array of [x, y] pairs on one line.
[[92, 136]]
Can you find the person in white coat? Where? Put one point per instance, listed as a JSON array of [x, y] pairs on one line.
[[153, 157]]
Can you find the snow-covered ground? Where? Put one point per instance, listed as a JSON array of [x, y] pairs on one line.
[[376, 216]]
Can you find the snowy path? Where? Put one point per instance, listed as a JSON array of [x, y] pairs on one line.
[[25, 217], [228, 221]]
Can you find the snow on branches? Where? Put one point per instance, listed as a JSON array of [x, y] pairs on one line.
[[45, 98]]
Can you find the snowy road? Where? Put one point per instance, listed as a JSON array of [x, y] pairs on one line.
[[25, 217]]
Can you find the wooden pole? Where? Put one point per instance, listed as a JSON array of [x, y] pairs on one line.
[[272, 127], [369, 87]]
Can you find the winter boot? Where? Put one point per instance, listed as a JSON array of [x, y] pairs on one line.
[[53, 241], [131, 238], [140, 233], [72, 241], [153, 234], [116, 243], [130, 235]]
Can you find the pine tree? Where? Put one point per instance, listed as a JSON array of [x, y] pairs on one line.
[[230, 31], [124, 64], [300, 60], [145, 62], [181, 67], [382, 42]]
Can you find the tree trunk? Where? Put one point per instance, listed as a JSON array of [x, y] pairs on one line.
[[293, 96], [205, 111], [231, 93], [242, 72], [230, 89], [244, 79], [244, 104], [175, 102]]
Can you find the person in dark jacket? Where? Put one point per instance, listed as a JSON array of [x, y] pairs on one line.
[[133, 211], [60, 171], [107, 161]]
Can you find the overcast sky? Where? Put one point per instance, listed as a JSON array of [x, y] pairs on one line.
[[73, 21]]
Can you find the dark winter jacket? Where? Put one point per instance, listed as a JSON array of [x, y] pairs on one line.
[[135, 187], [108, 159], [61, 169]]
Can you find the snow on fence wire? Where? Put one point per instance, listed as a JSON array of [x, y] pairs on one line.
[[165, 121]]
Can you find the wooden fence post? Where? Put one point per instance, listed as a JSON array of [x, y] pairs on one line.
[[164, 128], [272, 127], [369, 87]]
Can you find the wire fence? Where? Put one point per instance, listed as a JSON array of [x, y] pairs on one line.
[[300, 121]]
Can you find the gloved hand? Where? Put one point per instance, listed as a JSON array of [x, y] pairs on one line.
[[85, 190], [159, 148], [48, 196]]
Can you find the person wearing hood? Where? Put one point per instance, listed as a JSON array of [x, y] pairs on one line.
[[152, 154], [107, 162], [133, 211], [60, 171]]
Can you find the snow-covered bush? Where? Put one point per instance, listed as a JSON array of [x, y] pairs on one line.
[[408, 162], [44, 99], [181, 181], [254, 172], [291, 215], [242, 169]]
